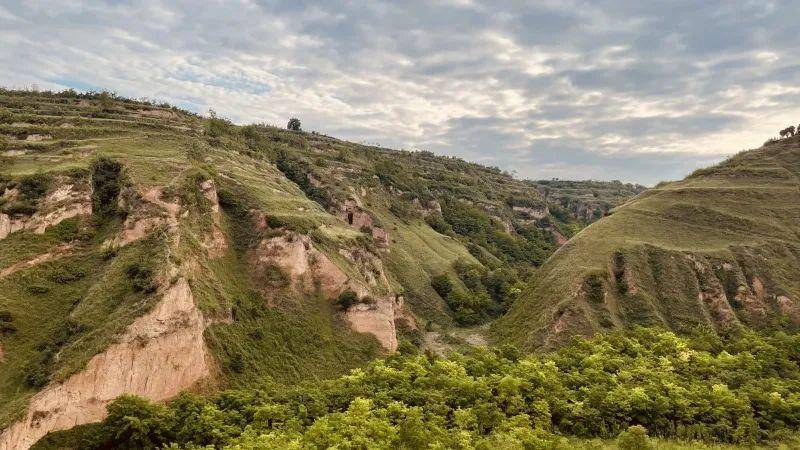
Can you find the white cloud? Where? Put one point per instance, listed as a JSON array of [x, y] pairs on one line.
[[548, 86]]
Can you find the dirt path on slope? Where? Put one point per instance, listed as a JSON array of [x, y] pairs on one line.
[[55, 253]]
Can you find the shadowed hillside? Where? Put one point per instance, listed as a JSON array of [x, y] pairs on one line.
[[719, 249]]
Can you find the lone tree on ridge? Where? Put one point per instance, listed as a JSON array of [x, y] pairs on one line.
[[294, 124]]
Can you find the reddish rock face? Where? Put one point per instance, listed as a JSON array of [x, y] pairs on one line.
[[360, 219], [381, 237], [531, 213]]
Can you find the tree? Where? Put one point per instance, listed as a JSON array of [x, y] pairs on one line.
[[347, 299], [294, 124], [442, 285]]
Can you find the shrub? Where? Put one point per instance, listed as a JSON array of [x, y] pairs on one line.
[[6, 116], [634, 438], [470, 308], [33, 187], [106, 186], [141, 278], [437, 222], [6, 322], [136, 423], [346, 299], [442, 285], [19, 208]]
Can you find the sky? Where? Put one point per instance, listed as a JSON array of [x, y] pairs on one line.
[[613, 89]]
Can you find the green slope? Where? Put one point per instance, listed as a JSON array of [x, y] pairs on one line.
[[719, 249]]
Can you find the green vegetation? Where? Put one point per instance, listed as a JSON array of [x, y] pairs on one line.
[[31, 188], [106, 185], [718, 249], [486, 293], [630, 387]]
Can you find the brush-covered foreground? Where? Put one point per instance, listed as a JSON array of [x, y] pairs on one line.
[[611, 391]]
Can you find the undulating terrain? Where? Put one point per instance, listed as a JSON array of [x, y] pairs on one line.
[[147, 250]]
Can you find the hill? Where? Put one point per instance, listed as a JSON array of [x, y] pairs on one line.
[[147, 250], [717, 250]]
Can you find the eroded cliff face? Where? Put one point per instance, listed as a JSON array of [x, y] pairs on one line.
[[378, 318], [310, 270], [160, 354], [357, 217], [64, 202], [676, 290]]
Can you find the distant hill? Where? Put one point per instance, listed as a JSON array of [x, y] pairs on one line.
[[717, 250], [587, 200]]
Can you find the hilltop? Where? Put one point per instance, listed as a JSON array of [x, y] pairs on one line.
[[717, 250], [148, 250]]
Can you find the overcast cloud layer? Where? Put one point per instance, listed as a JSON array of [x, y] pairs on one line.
[[637, 91]]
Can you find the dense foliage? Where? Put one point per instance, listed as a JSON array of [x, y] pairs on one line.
[[744, 388], [485, 293]]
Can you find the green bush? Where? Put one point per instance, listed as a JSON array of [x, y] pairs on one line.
[[470, 307], [106, 186], [346, 299], [6, 116], [442, 285], [31, 189], [634, 438], [6, 323], [141, 278]]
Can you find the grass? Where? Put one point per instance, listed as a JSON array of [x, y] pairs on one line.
[[745, 206]]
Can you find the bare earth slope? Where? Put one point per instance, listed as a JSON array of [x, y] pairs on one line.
[[719, 249]]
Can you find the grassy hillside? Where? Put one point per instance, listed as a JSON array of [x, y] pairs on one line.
[[718, 250]]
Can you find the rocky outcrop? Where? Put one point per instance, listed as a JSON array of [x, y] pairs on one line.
[[306, 268], [147, 212], [378, 318], [310, 270], [66, 202], [161, 354], [531, 212], [360, 219], [216, 244]]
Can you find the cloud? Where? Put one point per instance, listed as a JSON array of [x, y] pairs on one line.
[[604, 89]]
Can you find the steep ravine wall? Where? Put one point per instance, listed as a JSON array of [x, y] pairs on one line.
[[161, 354], [310, 269], [676, 290]]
